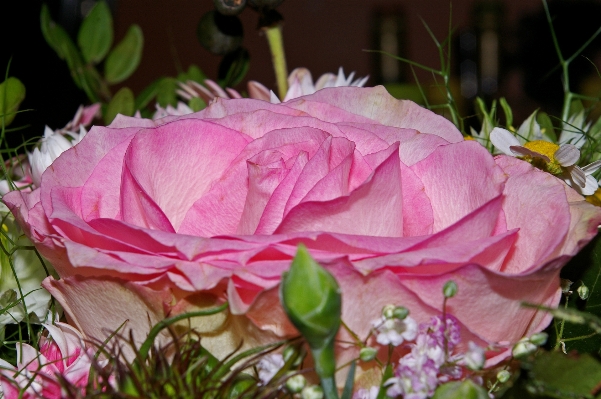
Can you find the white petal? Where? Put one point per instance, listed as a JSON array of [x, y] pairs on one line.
[[567, 155], [325, 80], [591, 186], [518, 150], [216, 89], [360, 82], [273, 98], [503, 139], [578, 176], [591, 167]]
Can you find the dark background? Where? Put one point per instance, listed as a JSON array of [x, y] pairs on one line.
[[320, 35]]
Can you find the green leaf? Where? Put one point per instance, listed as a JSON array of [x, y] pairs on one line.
[[196, 74], [507, 111], [460, 390], [122, 103], [148, 94], [166, 94], [233, 67], [12, 93], [584, 268], [197, 104], [62, 44], [560, 376], [95, 36], [123, 60], [350, 380], [546, 126]]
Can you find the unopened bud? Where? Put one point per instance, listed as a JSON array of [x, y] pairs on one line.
[[503, 376], [539, 339], [388, 311], [400, 312], [296, 383], [367, 354], [312, 392], [311, 298], [565, 286], [583, 292], [523, 348], [449, 289]]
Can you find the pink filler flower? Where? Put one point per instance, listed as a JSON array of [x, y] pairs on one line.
[[145, 219]]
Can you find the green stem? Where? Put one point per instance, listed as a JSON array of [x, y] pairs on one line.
[[276, 46], [325, 367]]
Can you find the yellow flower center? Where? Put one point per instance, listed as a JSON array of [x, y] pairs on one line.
[[595, 199], [547, 149], [468, 137]]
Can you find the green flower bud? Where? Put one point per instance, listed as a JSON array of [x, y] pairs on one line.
[[539, 339], [503, 376], [565, 285], [367, 354], [312, 392], [388, 311], [296, 383], [311, 298], [523, 348], [220, 34], [449, 289], [583, 292], [400, 312]]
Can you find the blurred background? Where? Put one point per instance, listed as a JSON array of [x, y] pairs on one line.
[[498, 48]]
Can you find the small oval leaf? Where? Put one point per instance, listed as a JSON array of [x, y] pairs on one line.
[[123, 60], [12, 93], [62, 44], [122, 103], [95, 36], [166, 94]]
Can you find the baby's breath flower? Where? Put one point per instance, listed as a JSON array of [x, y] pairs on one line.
[[371, 393], [474, 357], [395, 331], [269, 366]]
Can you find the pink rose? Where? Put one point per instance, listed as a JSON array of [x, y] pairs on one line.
[[148, 218], [39, 374]]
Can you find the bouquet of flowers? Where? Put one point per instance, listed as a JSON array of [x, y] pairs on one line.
[[328, 241]]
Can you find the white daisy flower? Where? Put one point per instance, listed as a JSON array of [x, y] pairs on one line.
[[559, 160]]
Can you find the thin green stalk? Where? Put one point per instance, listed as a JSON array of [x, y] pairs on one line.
[[276, 46]]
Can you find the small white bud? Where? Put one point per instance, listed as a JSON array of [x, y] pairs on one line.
[[539, 339], [388, 311], [523, 348], [503, 376], [367, 354], [312, 392], [296, 383], [583, 292]]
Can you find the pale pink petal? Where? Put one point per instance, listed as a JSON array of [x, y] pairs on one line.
[[373, 209], [458, 179], [99, 307], [377, 104]]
